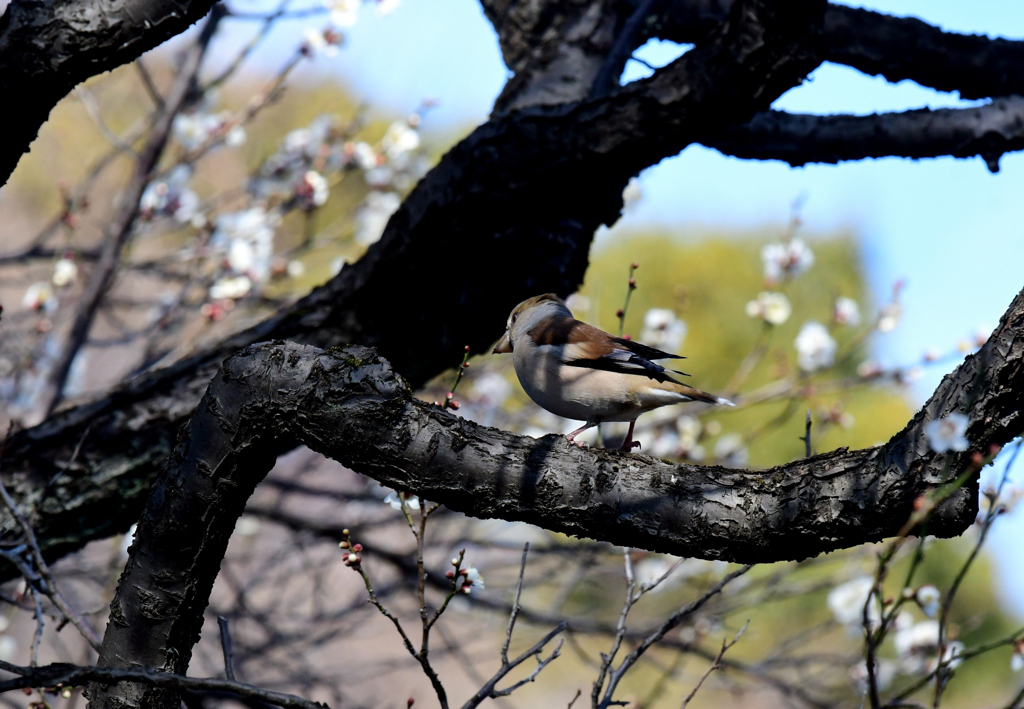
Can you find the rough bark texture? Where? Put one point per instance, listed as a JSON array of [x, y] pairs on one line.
[[896, 48], [49, 46], [350, 405], [986, 131], [506, 214]]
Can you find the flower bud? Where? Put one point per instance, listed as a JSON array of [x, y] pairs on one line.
[[465, 365], [455, 562], [454, 405], [620, 313], [636, 265], [449, 575], [357, 547], [450, 395], [632, 283], [344, 532], [344, 545], [466, 348]]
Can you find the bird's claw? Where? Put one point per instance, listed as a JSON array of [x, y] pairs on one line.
[[629, 445]]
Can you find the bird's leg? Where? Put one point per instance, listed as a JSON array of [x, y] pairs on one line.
[[571, 437], [629, 444]]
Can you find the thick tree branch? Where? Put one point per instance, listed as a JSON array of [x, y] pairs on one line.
[[896, 48], [986, 131], [526, 191], [67, 675], [350, 405], [49, 46]]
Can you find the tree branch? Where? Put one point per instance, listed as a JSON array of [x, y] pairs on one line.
[[350, 405], [986, 131], [467, 213], [49, 46]]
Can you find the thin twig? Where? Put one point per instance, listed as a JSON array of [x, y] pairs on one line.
[[806, 438], [716, 664], [226, 647]]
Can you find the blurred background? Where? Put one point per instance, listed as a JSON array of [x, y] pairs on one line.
[[929, 253]]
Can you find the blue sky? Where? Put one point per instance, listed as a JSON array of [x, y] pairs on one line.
[[952, 230]]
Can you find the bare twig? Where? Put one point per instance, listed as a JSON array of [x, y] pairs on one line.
[[716, 664], [226, 648], [806, 438]]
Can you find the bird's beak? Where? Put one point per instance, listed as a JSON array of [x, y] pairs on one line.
[[504, 345]]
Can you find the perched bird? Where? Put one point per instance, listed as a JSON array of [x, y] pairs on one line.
[[577, 371]]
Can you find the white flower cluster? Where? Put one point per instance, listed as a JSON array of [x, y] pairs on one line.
[[948, 433], [815, 347], [246, 240], [193, 130], [171, 197], [786, 260], [662, 329], [773, 308]]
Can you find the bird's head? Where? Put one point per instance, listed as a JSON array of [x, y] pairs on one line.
[[527, 314]]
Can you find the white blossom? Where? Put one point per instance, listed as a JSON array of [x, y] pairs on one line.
[[889, 317], [344, 13], [662, 329], [246, 238], [1017, 662], [65, 271], [917, 639], [400, 138], [170, 197], [233, 287], [632, 194], [235, 137], [364, 155], [39, 296], [373, 216], [473, 580], [773, 308], [947, 434], [846, 311], [847, 601], [815, 347], [313, 189], [194, 129], [395, 499], [953, 656], [321, 42], [786, 260], [927, 598], [386, 7]]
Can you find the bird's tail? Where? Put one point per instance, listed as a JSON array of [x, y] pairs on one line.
[[696, 394]]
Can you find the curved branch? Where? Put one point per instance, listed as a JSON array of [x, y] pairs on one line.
[[986, 131], [526, 191], [350, 405], [47, 47], [896, 48]]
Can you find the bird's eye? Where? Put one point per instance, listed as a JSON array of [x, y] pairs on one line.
[[514, 317]]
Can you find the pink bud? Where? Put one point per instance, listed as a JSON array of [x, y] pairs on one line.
[[632, 283], [454, 405], [635, 265], [357, 547], [450, 575]]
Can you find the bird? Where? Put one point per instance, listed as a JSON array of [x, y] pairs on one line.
[[581, 372]]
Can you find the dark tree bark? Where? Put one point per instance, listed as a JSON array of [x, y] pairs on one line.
[[350, 405], [48, 47], [463, 236], [525, 191], [986, 131]]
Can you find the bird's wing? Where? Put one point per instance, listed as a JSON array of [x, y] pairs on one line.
[[584, 345]]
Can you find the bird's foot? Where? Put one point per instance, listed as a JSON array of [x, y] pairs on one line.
[[629, 445]]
